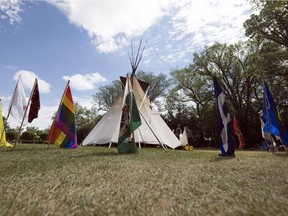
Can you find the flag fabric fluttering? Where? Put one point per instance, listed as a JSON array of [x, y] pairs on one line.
[[34, 103], [130, 115], [183, 137], [238, 133], [273, 124], [63, 130], [225, 123], [18, 103], [265, 135], [3, 142]]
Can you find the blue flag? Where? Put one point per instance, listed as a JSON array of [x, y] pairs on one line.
[[225, 123], [273, 124]]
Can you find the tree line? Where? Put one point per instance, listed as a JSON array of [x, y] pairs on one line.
[[186, 95]]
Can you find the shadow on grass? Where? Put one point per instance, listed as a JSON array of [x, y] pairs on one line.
[[219, 158], [281, 154], [19, 149], [99, 154]]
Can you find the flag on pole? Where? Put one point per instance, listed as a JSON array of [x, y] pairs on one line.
[[63, 130], [265, 135], [3, 142], [273, 124], [130, 114], [183, 137], [35, 103], [238, 133], [225, 123], [18, 103]]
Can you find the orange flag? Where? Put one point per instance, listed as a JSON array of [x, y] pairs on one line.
[[238, 133]]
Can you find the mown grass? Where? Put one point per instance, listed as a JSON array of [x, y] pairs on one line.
[[99, 181]]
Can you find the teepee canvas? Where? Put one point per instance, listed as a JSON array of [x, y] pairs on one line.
[[153, 129]]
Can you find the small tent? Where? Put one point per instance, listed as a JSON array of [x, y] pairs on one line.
[[153, 129]]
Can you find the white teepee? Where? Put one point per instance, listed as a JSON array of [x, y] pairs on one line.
[[152, 131]]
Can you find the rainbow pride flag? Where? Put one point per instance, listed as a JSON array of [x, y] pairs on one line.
[[63, 130]]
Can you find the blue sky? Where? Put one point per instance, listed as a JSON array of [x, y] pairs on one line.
[[88, 42]]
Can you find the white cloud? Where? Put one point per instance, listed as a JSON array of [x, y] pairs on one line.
[[10, 9], [213, 19], [111, 24], [85, 82], [86, 102], [28, 79], [194, 24]]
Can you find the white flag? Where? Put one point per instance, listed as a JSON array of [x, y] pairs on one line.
[[18, 103], [184, 138]]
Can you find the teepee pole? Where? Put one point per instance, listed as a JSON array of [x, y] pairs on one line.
[[152, 130], [134, 61]]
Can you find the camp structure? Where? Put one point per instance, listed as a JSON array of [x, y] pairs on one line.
[[153, 129]]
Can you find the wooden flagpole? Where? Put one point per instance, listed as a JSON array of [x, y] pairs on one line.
[[31, 94], [52, 126]]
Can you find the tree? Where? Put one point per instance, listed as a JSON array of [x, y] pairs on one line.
[[6, 123], [270, 29], [106, 95], [233, 65], [191, 87], [158, 84], [85, 120], [271, 23]]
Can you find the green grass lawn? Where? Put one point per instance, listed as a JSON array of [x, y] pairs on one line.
[[35, 180]]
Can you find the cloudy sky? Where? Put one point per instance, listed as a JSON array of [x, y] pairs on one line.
[[88, 42]]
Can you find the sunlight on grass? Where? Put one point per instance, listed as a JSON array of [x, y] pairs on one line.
[[99, 181]]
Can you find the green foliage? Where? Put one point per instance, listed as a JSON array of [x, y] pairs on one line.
[[43, 136], [233, 67], [158, 84], [106, 95], [29, 136], [84, 130], [85, 120], [6, 124], [271, 24], [11, 135]]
